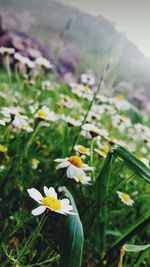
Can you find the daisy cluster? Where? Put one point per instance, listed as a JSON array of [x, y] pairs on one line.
[[39, 107]]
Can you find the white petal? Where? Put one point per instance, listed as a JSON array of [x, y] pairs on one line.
[[71, 171], [52, 192], [60, 160], [65, 201], [63, 165], [39, 210], [35, 194], [45, 188]]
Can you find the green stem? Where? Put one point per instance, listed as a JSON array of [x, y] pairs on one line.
[[91, 103], [30, 141], [7, 61]]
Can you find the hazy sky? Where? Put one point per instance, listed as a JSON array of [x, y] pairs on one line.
[[130, 16]]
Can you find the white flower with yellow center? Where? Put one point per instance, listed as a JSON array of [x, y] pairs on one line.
[[94, 131], [6, 50], [2, 122], [102, 151], [87, 79], [125, 198], [82, 150], [43, 62], [71, 121], [45, 114], [21, 122], [35, 163], [112, 140], [50, 202], [46, 85], [81, 177], [73, 164]]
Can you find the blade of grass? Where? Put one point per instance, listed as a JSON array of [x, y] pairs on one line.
[[72, 244], [128, 234], [133, 163], [101, 194]]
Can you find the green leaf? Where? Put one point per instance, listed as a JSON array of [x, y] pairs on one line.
[[133, 163], [101, 195], [135, 248], [72, 245]]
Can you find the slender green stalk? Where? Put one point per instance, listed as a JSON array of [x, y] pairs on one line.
[[91, 103], [30, 141], [7, 62], [101, 194]]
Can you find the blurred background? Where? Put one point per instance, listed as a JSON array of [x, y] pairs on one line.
[[83, 36]]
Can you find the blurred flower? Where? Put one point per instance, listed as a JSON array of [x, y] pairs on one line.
[[94, 131], [2, 122], [43, 62], [80, 177], [21, 122], [3, 149], [87, 79], [71, 121], [125, 198], [82, 150], [45, 114], [102, 150], [46, 85], [145, 161], [50, 202], [6, 50], [73, 164], [35, 163]]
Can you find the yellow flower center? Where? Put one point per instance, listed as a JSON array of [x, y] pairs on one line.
[[86, 88], [125, 197], [65, 98], [120, 97], [112, 140], [76, 161], [82, 149], [102, 153], [42, 114], [51, 202], [35, 161]]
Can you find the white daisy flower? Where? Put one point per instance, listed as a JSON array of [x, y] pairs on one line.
[[2, 122], [50, 202], [125, 198], [94, 131], [21, 122], [46, 85], [82, 150], [71, 121], [87, 79], [81, 177], [35, 163], [43, 62], [73, 164], [6, 50], [45, 114]]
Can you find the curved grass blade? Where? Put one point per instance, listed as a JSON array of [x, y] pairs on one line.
[[135, 248], [129, 234], [133, 163], [72, 245]]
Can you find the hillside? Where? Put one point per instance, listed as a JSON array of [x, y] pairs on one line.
[[92, 41]]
